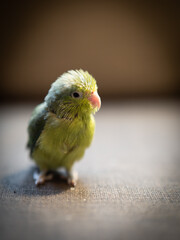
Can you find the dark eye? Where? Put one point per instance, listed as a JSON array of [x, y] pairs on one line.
[[75, 94]]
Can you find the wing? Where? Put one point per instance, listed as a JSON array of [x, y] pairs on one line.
[[36, 125]]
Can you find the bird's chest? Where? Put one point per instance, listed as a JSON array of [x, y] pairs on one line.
[[64, 135]]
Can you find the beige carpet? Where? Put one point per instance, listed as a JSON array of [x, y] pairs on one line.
[[129, 180]]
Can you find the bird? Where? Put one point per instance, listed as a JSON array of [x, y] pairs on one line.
[[62, 126]]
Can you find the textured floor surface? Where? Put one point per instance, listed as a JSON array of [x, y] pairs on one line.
[[129, 180]]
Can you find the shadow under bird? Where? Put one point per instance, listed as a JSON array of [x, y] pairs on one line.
[[62, 127]]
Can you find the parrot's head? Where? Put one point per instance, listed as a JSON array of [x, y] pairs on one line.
[[73, 94]]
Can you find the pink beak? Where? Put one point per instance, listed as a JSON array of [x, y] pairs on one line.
[[95, 100]]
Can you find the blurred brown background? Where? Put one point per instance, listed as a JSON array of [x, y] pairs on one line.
[[130, 47]]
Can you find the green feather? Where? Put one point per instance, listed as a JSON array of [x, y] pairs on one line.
[[62, 127], [36, 125]]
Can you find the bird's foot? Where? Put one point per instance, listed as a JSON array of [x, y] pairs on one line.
[[72, 178], [42, 177]]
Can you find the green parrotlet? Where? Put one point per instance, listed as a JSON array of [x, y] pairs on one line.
[[62, 127]]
